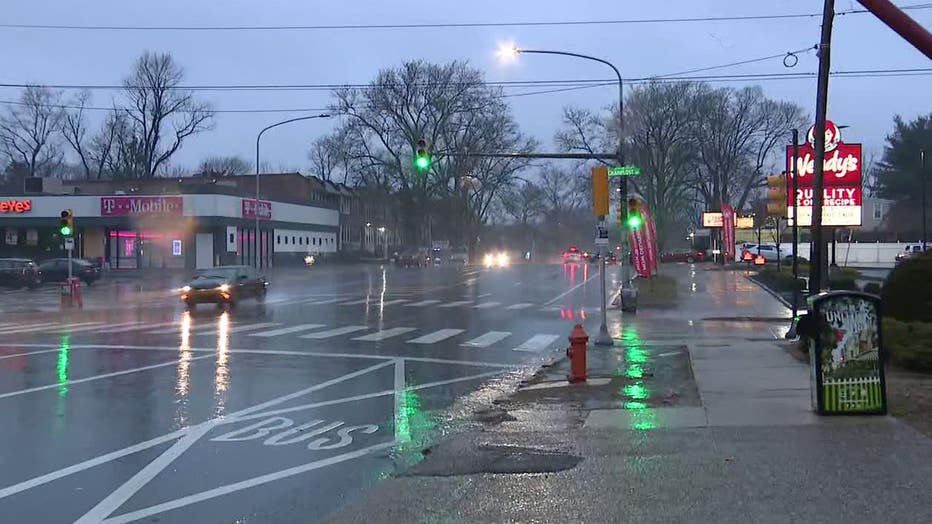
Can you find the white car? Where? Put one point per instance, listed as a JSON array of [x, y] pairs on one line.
[[770, 252]]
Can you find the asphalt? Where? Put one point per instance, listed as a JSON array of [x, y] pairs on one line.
[[130, 409]]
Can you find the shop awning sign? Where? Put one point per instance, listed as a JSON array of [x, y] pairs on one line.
[[250, 209]]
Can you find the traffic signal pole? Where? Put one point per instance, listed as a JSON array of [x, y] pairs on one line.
[[818, 259], [794, 169]]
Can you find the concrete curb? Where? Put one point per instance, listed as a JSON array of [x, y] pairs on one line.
[[771, 291]]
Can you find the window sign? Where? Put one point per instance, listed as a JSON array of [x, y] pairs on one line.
[[176, 248]]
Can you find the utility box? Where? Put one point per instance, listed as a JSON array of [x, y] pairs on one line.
[[846, 353]]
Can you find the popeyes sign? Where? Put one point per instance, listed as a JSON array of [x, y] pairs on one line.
[[15, 206], [841, 180]]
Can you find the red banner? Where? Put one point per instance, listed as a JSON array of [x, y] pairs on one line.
[[728, 232], [249, 209], [639, 252], [651, 240], [141, 206]]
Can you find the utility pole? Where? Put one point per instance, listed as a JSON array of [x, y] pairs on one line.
[[922, 177], [818, 258], [794, 169]]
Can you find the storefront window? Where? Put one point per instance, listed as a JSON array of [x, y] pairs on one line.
[[144, 249]]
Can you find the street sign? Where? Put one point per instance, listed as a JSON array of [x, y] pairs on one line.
[[69, 244], [601, 236], [624, 171]]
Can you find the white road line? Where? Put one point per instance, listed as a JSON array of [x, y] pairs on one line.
[[487, 339], [385, 333], [520, 305], [97, 377], [391, 302], [335, 332], [537, 343], [22, 326], [51, 328], [422, 303], [13, 355], [355, 302], [551, 308], [135, 324], [316, 302], [436, 336], [239, 329], [285, 331], [484, 295], [456, 303], [570, 290], [487, 305], [139, 325]]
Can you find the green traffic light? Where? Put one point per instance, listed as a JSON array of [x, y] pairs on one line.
[[422, 162], [65, 231], [634, 222]]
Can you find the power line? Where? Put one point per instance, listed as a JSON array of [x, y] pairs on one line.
[[786, 55], [589, 84], [443, 25], [506, 84]]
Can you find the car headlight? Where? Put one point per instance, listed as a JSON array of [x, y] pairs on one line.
[[488, 260], [185, 289], [224, 287], [502, 259]]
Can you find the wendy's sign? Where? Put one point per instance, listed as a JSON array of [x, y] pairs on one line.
[[841, 179]]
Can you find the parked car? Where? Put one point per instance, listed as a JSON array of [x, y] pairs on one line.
[[224, 286], [19, 272], [911, 250], [56, 270], [683, 255], [770, 252], [418, 257]]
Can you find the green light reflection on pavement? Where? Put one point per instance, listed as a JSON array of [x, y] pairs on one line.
[[634, 371], [636, 391], [635, 405], [636, 355], [61, 366]]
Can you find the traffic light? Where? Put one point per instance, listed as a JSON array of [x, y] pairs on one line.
[[776, 196], [600, 191], [422, 159], [635, 217], [66, 225]]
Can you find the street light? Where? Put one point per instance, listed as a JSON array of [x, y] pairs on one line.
[[508, 52], [381, 230], [258, 137]]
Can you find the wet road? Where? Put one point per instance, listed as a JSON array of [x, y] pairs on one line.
[[133, 410]]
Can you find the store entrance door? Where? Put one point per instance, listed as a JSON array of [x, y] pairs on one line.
[[204, 251]]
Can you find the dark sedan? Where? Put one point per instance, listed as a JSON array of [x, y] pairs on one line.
[[683, 255], [224, 286], [19, 272], [56, 270]]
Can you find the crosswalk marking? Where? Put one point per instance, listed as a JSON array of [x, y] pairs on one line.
[[487, 339], [422, 303], [136, 326], [335, 332], [99, 326], [486, 305], [50, 327], [521, 305], [385, 333], [537, 343], [354, 302], [436, 336], [456, 303], [285, 331]]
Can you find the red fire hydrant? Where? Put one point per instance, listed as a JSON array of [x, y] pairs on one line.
[[577, 354]]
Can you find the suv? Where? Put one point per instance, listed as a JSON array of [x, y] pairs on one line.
[[19, 272], [911, 250], [418, 257], [769, 252]]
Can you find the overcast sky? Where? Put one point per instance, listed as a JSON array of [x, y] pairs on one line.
[[861, 41]]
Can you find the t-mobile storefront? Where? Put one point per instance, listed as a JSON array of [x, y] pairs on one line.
[[178, 231]]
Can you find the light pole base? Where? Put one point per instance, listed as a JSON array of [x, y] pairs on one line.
[[604, 339]]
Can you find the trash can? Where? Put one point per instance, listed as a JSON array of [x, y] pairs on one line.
[[846, 353]]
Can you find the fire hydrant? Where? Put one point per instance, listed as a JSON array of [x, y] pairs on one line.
[[577, 354]]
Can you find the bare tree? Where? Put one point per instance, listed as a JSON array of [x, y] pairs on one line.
[[29, 131], [74, 129], [162, 113], [524, 202], [224, 166]]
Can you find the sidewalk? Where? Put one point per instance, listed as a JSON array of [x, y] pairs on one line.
[[689, 418]]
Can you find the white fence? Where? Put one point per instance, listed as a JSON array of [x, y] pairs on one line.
[[856, 254]]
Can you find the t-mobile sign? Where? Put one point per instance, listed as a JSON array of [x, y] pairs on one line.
[[250, 209], [143, 205]]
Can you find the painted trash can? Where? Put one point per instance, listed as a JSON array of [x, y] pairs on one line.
[[846, 354]]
